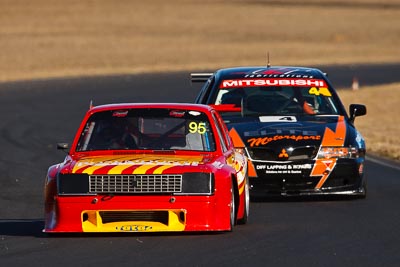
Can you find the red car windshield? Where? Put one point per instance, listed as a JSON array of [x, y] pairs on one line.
[[153, 129]]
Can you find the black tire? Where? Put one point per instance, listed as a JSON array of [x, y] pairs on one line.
[[363, 189], [247, 203], [232, 210]]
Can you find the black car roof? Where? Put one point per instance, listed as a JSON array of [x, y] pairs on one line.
[[265, 71]]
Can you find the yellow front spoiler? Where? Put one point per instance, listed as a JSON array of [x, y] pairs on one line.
[[133, 221]]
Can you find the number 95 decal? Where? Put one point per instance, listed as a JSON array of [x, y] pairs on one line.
[[197, 127]]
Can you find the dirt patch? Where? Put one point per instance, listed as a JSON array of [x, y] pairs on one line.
[[48, 38], [380, 127]]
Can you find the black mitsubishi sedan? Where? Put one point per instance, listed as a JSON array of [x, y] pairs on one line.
[[290, 122]]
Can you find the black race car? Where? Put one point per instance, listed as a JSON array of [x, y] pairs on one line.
[[297, 135]]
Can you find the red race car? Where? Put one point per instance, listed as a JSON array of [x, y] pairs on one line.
[[148, 168]]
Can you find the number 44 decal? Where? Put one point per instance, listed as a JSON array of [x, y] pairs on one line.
[[321, 91]]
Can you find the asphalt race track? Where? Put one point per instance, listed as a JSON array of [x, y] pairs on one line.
[[35, 115]]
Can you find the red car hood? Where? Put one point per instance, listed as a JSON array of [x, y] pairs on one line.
[[139, 164]]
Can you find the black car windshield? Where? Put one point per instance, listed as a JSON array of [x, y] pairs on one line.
[[274, 97], [153, 129]]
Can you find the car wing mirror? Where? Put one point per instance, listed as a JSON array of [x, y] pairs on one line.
[[62, 146], [357, 110]]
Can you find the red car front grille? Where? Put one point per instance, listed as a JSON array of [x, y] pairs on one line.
[[135, 183]]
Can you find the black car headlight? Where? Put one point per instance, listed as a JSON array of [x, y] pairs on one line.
[[338, 152]]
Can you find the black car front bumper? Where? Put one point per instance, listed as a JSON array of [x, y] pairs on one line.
[[297, 179]]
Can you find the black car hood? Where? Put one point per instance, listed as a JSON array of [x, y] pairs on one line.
[[292, 131]]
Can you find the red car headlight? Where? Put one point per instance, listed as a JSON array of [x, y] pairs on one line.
[[198, 183]]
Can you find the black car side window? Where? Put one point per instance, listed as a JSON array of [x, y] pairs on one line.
[[205, 92]]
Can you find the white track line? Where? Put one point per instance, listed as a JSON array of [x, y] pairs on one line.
[[385, 163]]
